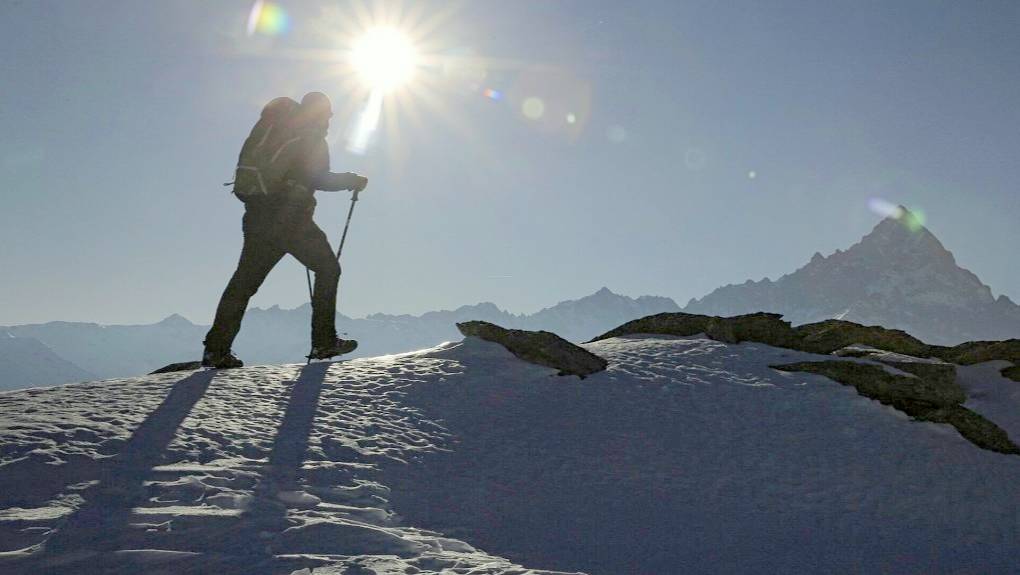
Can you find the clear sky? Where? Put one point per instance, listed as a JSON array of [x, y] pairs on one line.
[[120, 120]]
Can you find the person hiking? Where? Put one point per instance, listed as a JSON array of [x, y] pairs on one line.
[[278, 222]]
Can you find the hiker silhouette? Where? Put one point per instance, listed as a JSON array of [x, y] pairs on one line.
[[283, 162]]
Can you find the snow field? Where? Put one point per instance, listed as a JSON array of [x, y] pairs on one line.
[[693, 456], [687, 456], [259, 470]]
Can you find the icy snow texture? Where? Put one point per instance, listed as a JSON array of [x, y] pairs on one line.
[[687, 456]]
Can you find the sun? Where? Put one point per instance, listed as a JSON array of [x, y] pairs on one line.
[[385, 59]]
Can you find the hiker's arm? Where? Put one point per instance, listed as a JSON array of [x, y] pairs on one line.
[[320, 178], [334, 182]]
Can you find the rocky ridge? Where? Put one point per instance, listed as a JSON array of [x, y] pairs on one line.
[[925, 390], [538, 347]]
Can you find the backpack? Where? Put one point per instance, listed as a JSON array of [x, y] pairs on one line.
[[268, 152]]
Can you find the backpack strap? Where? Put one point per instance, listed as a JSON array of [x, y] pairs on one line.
[[282, 148], [258, 175]]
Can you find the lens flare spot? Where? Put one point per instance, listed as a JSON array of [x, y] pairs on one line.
[[361, 134], [752, 175], [533, 108], [885, 208], [492, 94], [267, 18], [571, 119], [913, 220], [617, 134]]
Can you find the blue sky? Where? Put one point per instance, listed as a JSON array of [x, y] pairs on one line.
[[122, 119]]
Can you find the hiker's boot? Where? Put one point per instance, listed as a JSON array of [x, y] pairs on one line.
[[338, 347], [220, 360]]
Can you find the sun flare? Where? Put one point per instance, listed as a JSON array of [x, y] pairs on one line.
[[385, 58]]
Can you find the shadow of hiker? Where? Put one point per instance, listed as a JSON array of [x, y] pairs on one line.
[[108, 504], [278, 487], [291, 441]]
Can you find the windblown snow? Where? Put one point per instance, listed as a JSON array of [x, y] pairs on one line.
[[686, 456]]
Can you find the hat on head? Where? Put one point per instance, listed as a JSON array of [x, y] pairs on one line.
[[317, 104]]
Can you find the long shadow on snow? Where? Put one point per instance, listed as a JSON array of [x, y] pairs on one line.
[[108, 504], [267, 515], [249, 546]]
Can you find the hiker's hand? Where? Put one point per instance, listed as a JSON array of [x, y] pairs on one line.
[[360, 183]]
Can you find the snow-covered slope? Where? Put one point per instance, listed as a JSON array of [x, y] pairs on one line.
[[686, 456], [899, 276], [276, 335]]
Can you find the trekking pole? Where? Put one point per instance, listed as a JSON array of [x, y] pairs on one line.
[[343, 237]]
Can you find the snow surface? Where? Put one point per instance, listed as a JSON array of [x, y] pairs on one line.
[[686, 456], [992, 395]]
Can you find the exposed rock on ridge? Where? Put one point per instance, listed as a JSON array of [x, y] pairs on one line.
[[931, 394], [539, 347], [936, 400], [822, 337]]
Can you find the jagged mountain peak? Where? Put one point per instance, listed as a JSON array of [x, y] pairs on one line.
[[898, 275], [904, 231]]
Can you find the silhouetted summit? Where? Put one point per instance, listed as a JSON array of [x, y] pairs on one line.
[[899, 276]]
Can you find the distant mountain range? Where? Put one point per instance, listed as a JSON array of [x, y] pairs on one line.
[[26, 362], [81, 351], [898, 276]]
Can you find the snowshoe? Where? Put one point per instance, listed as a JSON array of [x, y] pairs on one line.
[[340, 347], [221, 360]]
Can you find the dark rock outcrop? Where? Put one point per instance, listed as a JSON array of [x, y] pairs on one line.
[[980, 351], [824, 337], [678, 324], [939, 377], [1012, 373], [770, 328], [760, 327], [932, 396], [182, 366], [899, 391], [973, 427], [829, 335], [539, 347]]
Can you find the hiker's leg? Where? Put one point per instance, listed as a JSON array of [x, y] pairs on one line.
[[311, 247], [258, 256]]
